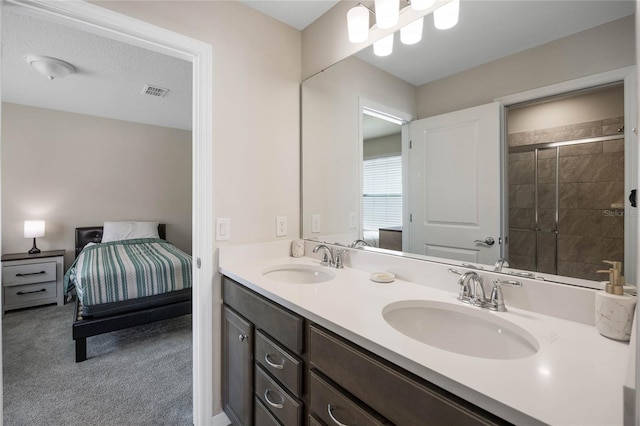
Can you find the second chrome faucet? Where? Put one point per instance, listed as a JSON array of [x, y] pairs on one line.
[[472, 291], [328, 257]]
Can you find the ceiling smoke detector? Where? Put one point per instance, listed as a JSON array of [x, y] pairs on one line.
[[150, 90]]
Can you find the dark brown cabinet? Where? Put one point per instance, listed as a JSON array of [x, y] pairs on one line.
[[274, 376]]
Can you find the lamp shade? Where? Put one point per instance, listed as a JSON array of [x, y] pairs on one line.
[[422, 4], [412, 33], [33, 228], [446, 16], [384, 46], [358, 24], [387, 13]]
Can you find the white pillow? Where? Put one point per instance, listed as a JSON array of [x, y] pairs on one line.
[[128, 230]]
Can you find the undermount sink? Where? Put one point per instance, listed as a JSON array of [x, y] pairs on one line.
[[461, 329], [298, 274]]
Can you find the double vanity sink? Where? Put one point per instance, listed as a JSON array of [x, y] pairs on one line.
[[520, 365], [452, 327]]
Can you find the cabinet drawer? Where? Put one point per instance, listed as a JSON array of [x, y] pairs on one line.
[[17, 295], [284, 407], [28, 273], [403, 399], [279, 323], [313, 421], [263, 416], [336, 408], [277, 361]]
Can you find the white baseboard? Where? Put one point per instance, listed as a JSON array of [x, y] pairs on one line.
[[220, 419]]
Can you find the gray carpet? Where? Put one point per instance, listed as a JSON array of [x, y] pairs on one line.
[[137, 376]]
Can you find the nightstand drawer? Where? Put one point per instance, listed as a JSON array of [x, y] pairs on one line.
[[17, 295], [28, 273]]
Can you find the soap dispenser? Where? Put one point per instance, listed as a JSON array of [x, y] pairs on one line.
[[614, 309]]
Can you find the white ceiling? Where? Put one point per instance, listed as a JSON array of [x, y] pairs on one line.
[[111, 75]]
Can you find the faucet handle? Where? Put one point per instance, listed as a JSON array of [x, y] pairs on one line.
[[496, 300], [339, 258]]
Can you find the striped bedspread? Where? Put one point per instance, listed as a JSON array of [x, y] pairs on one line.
[[123, 270]]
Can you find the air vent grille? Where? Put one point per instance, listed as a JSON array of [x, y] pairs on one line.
[[150, 90]]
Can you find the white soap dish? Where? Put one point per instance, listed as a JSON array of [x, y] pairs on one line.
[[382, 277]]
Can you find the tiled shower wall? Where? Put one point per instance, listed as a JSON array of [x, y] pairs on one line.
[[591, 201]]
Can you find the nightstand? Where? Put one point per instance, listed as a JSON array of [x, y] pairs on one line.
[[32, 279]]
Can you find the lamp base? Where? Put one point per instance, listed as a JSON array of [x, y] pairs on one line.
[[34, 249]]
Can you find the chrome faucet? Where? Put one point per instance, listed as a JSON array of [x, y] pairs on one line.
[[358, 242], [501, 263], [472, 291], [327, 256]]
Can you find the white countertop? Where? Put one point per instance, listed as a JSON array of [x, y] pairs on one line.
[[575, 378]]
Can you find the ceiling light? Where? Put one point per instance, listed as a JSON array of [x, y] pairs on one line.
[[422, 4], [446, 16], [50, 67], [358, 24], [387, 13], [412, 33], [384, 46]]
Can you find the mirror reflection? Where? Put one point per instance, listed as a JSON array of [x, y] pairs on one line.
[[429, 163]]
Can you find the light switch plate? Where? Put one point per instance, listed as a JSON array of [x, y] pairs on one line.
[[223, 229], [281, 226], [352, 220], [315, 223]]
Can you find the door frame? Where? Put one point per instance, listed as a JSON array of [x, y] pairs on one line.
[[626, 75], [103, 22]]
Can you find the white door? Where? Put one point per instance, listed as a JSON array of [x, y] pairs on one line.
[[454, 185]]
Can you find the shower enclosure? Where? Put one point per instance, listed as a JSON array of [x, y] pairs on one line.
[[566, 198]]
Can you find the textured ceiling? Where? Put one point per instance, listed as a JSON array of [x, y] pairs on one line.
[[109, 77], [295, 13]]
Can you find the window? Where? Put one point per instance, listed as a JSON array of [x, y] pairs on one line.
[[382, 193]]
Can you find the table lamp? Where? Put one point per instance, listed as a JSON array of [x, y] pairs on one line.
[[34, 229]]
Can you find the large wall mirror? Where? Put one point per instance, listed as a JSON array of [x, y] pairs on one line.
[[508, 136]]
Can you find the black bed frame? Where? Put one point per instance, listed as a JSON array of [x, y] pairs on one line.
[[87, 327]]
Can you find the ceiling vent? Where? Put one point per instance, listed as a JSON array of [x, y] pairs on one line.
[[154, 91]]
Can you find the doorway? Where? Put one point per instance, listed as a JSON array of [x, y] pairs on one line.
[[566, 182], [100, 21]]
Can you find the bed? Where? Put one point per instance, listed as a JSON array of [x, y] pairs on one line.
[[121, 284]]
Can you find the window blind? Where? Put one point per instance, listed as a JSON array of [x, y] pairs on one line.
[[382, 192]]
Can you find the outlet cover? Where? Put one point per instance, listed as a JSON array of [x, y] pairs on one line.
[[223, 229], [315, 223], [281, 226]]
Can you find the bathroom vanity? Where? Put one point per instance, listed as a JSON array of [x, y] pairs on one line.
[[328, 351]]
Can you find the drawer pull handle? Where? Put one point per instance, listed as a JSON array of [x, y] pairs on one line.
[[336, 421], [20, 274], [272, 364], [22, 293], [242, 337], [271, 403]]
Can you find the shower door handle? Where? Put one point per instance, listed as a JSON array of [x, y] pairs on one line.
[[632, 198], [489, 241]]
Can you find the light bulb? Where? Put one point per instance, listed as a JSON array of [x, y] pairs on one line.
[[412, 33], [387, 12], [384, 46], [446, 16], [358, 24]]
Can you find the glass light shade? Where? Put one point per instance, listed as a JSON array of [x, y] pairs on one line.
[[387, 13], [358, 24], [33, 228], [384, 46], [446, 16], [50, 67], [412, 33], [422, 4]]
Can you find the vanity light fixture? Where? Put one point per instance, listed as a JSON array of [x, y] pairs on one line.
[[384, 46], [387, 14], [50, 67], [446, 16]]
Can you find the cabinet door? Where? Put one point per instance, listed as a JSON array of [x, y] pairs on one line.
[[237, 367]]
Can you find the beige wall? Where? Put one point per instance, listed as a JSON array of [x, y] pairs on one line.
[[76, 170], [384, 146], [604, 48]]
